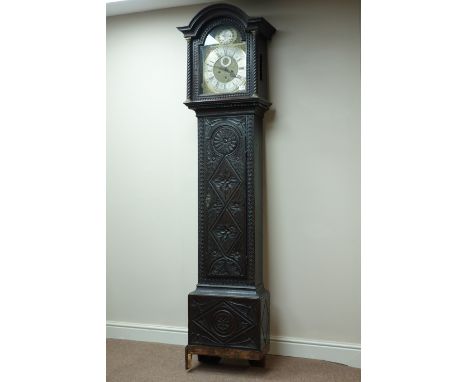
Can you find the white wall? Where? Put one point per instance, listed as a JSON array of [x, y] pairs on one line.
[[312, 220]]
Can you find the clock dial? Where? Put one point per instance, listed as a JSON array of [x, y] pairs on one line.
[[224, 68]]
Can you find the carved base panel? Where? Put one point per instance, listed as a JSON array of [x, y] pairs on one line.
[[229, 321]]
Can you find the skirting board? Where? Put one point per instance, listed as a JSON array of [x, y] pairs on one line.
[[346, 353]]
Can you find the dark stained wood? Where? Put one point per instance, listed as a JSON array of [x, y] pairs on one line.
[[229, 309], [255, 358], [210, 359]]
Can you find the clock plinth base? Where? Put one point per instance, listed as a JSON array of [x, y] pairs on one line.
[[256, 358], [228, 318]]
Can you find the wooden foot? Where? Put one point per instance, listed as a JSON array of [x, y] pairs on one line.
[[188, 358]]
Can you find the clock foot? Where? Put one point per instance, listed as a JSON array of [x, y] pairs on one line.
[[188, 358]]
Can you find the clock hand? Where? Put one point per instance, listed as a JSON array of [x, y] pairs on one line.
[[229, 71], [223, 69]]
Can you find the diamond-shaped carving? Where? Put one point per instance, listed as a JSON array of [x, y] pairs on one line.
[[224, 323], [225, 232], [213, 206], [230, 264], [226, 266], [225, 181]]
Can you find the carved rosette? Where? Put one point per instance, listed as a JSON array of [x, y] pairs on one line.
[[225, 140]]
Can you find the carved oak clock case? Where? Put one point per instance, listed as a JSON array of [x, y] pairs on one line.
[[227, 87]]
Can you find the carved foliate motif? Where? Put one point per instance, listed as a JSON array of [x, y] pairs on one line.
[[225, 180]]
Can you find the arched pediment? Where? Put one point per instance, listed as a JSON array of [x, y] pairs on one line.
[[203, 18]]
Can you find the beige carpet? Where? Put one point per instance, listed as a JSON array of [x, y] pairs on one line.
[[132, 361]]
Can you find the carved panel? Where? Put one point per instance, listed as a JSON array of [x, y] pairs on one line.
[[224, 322], [223, 254], [265, 318]]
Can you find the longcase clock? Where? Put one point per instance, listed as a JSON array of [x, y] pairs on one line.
[[227, 87]]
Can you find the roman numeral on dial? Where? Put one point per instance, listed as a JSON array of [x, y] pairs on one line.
[[224, 70]]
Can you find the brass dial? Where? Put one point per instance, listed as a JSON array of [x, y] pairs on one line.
[[224, 68]]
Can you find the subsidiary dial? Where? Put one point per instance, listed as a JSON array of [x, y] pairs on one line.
[[227, 36]]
